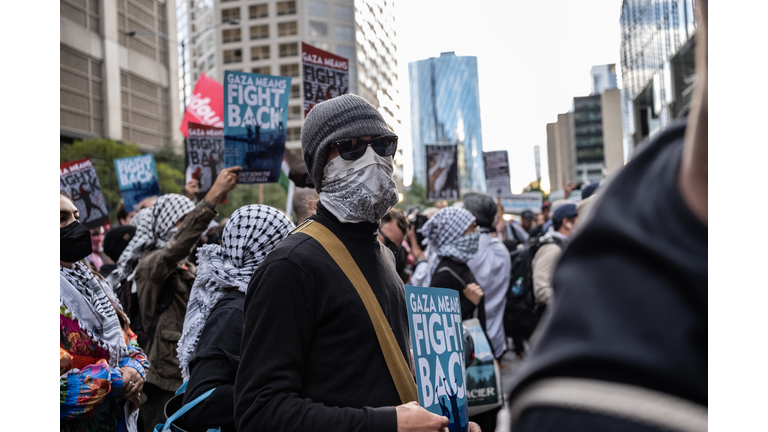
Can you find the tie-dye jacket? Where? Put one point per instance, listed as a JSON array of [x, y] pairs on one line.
[[89, 398]]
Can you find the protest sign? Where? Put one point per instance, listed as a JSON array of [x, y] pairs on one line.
[[483, 375], [137, 178], [525, 201], [437, 338], [205, 148], [442, 172], [497, 173], [78, 179], [325, 76], [205, 106], [557, 195], [256, 112]]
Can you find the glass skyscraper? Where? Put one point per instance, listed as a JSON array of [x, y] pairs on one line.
[[445, 108]]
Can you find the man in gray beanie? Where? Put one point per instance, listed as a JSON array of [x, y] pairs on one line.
[[310, 356]]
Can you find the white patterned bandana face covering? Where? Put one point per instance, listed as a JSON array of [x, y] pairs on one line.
[[361, 190]]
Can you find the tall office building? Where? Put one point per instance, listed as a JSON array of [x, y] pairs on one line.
[[113, 85], [268, 41], [445, 108], [656, 63], [585, 146]]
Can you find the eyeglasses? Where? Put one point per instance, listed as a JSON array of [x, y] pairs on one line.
[[394, 247], [354, 148]]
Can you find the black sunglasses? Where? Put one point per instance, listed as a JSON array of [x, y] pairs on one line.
[[354, 148], [389, 243]]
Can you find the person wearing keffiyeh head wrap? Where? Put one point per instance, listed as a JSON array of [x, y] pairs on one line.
[[155, 264], [101, 366], [209, 349]]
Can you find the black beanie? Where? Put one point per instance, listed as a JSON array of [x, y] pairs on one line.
[[117, 239]]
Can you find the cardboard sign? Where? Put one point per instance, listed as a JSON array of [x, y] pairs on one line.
[[525, 201], [497, 173], [137, 178], [78, 179], [442, 172], [437, 338], [205, 148], [256, 114], [325, 76], [206, 105]]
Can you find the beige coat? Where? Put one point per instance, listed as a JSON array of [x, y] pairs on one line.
[[543, 266]]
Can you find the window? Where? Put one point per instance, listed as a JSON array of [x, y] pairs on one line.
[[211, 60], [287, 29], [293, 134], [258, 11], [260, 53], [233, 56], [346, 51], [286, 8], [294, 112], [289, 70], [264, 70], [343, 13], [260, 32], [345, 33], [289, 49], [318, 29], [230, 14], [295, 91], [317, 9], [231, 35], [325, 46]]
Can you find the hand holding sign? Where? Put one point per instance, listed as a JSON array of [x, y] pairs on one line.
[[225, 182], [473, 293], [413, 418]]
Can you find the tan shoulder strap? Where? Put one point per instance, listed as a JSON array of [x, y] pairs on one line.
[[398, 368], [622, 401]]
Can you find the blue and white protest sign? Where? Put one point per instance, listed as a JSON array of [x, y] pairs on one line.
[[434, 317], [255, 118], [137, 178]]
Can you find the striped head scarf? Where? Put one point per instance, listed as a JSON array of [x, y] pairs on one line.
[[445, 233], [251, 233]]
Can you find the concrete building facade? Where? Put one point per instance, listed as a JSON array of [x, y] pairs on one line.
[[561, 151], [113, 85]]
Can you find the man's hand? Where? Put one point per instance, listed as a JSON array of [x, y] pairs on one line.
[[413, 418], [225, 182], [567, 189], [473, 293], [131, 375], [474, 427], [191, 189]]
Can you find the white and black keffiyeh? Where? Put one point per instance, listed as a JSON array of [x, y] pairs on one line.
[[445, 233], [87, 298], [153, 229], [251, 233]]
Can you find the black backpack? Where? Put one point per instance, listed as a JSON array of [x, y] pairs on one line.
[[522, 314]]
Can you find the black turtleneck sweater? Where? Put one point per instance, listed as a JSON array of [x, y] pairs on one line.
[[310, 359]]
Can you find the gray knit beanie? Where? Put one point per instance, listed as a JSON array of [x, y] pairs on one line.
[[343, 117]]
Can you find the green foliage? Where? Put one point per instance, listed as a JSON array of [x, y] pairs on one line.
[[535, 186], [104, 151], [244, 194]]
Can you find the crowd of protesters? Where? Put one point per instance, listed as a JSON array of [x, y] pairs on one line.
[[255, 316]]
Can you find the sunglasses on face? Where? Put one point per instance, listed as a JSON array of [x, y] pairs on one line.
[[354, 148], [394, 247]]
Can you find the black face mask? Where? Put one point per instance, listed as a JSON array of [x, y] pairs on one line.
[[75, 242]]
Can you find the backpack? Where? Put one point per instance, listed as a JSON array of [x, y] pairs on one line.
[[522, 314]]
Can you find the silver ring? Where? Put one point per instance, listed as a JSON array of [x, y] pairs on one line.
[[132, 383]]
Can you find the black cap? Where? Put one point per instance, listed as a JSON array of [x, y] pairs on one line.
[[117, 239], [589, 190], [526, 214]]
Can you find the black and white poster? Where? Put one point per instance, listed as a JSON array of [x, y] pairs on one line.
[[442, 172]]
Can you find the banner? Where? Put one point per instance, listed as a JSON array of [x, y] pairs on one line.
[[137, 178], [483, 376], [205, 148], [325, 76], [256, 112], [497, 173], [442, 172], [525, 201], [206, 105], [78, 179], [437, 338]]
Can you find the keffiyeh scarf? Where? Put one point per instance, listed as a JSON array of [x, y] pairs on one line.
[[154, 227], [87, 298], [251, 233], [445, 233]]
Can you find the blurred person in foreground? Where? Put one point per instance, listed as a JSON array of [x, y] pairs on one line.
[[209, 349], [630, 320], [310, 358], [554, 242], [101, 366], [156, 262]]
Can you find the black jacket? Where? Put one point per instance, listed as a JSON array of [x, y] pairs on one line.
[[310, 357], [445, 279]]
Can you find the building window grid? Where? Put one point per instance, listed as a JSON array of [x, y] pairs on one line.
[[233, 56], [133, 15], [259, 32], [258, 11], [289, 49], [289, 70], [289, 28], [93, 93], [132, 100], [231, 35], [84, 13], [230, 14], [286, 8], [260, 53]]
